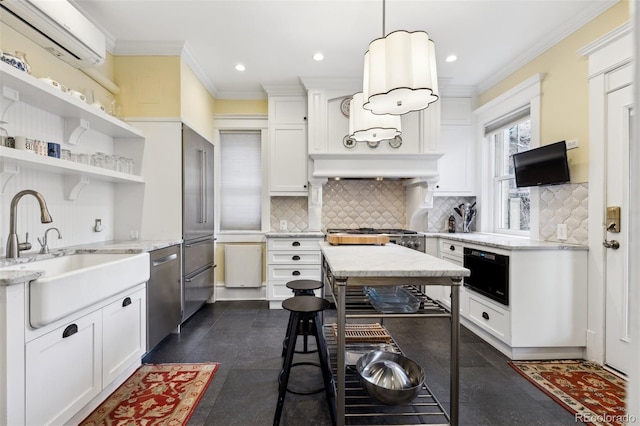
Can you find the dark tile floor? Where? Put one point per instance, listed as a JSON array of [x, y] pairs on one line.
[[246, 339]]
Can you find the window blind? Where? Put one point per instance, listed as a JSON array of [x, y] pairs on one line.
[[507, 120], [240, 181]]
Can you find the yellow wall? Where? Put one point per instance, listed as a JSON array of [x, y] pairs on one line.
[[233, 106], [197, 105], [149, 85], [565, 88]]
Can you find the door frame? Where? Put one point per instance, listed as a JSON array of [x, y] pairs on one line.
[[609, 68]]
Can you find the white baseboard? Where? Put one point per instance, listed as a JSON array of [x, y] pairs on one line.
[[223, 293]]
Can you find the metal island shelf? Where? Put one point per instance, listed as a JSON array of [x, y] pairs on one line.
[[349, 267]]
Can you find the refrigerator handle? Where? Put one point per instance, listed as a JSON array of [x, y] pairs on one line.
[[206, 186], [202, 185]]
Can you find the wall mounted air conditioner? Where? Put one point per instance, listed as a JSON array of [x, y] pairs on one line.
[[58, 27]]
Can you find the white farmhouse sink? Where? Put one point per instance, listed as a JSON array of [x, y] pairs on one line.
[[76, 281]]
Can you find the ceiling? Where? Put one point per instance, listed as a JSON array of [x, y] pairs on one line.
[[276, 39]]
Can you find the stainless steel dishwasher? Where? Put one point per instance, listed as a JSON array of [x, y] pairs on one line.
[[164, 301]]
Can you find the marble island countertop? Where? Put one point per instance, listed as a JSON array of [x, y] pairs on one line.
[[505, 241], [10, 274], [388, 260]]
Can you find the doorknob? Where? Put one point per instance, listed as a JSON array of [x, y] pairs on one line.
[[612, 244]]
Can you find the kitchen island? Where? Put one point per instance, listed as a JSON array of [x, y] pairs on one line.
[[344, 267]]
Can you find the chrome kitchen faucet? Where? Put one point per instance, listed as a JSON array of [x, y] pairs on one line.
[[44, 246], [13, 246]]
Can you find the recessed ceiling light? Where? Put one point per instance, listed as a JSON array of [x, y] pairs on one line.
[[451, 58], [318, 56], [240, 67]]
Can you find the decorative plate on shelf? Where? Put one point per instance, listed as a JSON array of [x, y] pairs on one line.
[[395, 142], [349, 142], [344, 106]]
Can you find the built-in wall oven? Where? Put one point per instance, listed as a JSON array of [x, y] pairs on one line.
[[489, 274]]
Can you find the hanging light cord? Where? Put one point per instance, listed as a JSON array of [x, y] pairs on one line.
[[383, 19]]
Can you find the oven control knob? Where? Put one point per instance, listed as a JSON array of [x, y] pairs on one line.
[[416, 243], [410, 244]]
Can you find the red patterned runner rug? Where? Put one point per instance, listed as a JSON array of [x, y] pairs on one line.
[[594, 395], [155, 394]]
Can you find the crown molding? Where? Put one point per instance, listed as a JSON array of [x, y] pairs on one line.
[[545, 44]]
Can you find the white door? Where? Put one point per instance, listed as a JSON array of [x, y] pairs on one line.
[[618, 343]]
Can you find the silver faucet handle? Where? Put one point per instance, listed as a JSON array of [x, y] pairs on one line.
[[26, 245]]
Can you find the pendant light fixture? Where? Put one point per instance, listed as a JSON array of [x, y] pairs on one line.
[[364, 126], [400, 72]]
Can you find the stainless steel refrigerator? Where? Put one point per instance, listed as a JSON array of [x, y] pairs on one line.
[[197, 221]]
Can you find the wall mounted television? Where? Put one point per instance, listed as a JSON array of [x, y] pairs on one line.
[[546, 165]]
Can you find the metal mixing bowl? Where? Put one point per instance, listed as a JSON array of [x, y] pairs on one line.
[[390, 378]]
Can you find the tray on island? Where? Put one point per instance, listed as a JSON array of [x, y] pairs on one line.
[[363, 333], [392, 300]]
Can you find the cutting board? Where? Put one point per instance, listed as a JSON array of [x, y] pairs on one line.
[[342, 239]]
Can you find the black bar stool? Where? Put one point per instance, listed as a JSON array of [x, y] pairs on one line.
[[305, 309], [301, 288]]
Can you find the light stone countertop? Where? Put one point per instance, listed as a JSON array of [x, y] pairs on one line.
[[9, 274], [387, 260], [294, 234], [504, 241]]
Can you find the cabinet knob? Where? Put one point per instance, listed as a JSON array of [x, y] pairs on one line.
[[296, 257], [452, 248], [295, 244], [70, 331], [126, 302], [485, 315], [296, 273]]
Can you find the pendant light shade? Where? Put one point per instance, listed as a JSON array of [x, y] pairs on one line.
[[369, 127], [400, 73]]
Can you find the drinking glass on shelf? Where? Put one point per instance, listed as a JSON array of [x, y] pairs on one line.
[[130, 165], [83, 158], [73, 157], [110, 162], [97, 159], [65, 154]]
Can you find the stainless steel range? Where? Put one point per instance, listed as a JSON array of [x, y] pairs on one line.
[[402, 237]]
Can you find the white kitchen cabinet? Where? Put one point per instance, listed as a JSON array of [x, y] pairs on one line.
[[63, 370], [546, 316], [452, 252], [288, 259], [123, 336], [457, 166], [288, 146], [59, 373], [80, 118]]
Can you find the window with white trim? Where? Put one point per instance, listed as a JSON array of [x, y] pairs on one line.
[[512, 205], [240, 181], [508, 124]]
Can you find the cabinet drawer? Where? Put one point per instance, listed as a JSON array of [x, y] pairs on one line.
[[451, 248], [294, 258], [490, 317], [288, 273], [293, 244]]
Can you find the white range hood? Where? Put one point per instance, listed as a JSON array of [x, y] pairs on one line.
[[375, 165]]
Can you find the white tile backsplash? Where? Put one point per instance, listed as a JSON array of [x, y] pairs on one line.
[[568, 204], [292, 209], [438, 216], [364, 203]]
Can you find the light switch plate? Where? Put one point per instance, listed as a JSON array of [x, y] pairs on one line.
[[283, 225]]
